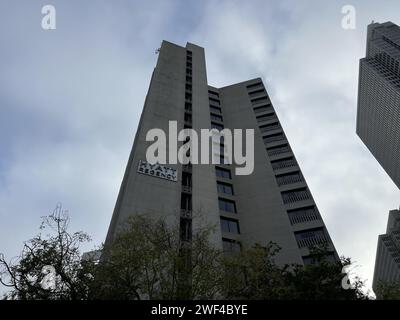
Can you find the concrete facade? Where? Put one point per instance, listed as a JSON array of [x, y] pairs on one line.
[[378, 110], [387, 263], [272, 204]]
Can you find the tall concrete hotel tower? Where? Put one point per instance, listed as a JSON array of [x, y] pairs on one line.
[[271, 204], [378, 110]]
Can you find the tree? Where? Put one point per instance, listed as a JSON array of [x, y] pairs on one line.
[[388, 291], [253, 274], [49, 266], [147, 260], [150, 259]]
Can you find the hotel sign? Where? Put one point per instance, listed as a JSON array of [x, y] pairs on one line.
[[157, 170]]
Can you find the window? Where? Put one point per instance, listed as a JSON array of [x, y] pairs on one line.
[[253, 93], [224, 188], [223, 173], [213, 93], [187, 179], [295, 195], [266, 117], [186, 201], [227, 205], [258, 100], [215, 109], [188, 71], [269, 127], [188, 87], [283, 163], [188, 53], [289, 178], [217, 126], [330, 256], [216, 101], [188, 79], [188, 96], [274, 137], [185, 227], [263, 108], [230, 246], [230, 225], [254, 85], [189, 65], [216, 117], [188, 106], [188, 117], [278, 150]]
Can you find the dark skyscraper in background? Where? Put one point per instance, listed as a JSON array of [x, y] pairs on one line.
[[378, 114], [387, 263], [378, 126]]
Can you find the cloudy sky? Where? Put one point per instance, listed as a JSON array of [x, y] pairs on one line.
[[71, 98]]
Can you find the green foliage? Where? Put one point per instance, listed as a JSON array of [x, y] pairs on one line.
[[147, 260], [253, 274], [58, 249], [388, 291]]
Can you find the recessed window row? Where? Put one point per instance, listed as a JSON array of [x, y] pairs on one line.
[[258, 100], [223, 187], [263, 108], [312, 259], [185, 229], [230, 225], [303, 215], [217, 126], [269, 127], [266, 117], [273, 151], [214, 93], [254, 93], [283, 163], [274, 137], [296, 195], [215, 109], [289, 178], [311, 237], [216, 117], [214, 100], [254, 85], [188, 118], [227, 205], [223, 173], [231, 246]]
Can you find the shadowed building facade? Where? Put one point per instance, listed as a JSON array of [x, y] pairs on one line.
[[378, 110], [271, 204], [387, 263]]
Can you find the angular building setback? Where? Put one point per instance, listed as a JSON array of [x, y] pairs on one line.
[[271, 204], [387, 263], [378, 112]]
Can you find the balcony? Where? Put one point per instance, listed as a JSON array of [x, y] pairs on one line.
[[310, 238], [186, 213], [289, 178], [284, 163], [303, 215], [274, 138], [295, 195], [278, 150]]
